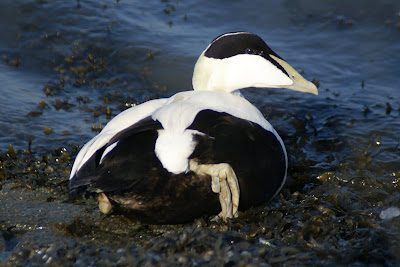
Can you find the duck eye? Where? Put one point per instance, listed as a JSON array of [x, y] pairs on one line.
[[249, 51]]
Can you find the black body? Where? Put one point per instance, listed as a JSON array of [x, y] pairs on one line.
[[136, 183]]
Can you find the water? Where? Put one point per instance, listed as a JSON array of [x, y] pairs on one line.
[[312, 36], [93, 55]]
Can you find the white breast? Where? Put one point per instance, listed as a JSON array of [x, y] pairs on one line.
[[173, 149]]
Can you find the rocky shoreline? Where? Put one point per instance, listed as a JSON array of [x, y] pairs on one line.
[[39, 226]]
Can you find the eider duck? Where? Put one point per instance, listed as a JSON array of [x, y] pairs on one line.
[[203, 152]]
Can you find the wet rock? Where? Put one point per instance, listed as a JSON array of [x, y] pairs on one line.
[[2, 242], [44, 237], [29, 214], [389, 213]]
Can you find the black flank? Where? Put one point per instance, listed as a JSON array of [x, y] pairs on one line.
[[255, 154], [136, 183]]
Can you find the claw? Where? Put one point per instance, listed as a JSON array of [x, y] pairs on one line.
[[234, 186], [215, 185]]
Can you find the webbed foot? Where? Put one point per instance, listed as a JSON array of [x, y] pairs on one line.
[[223, 182]]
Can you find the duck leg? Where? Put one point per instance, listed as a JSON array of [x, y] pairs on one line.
[[225, 183]]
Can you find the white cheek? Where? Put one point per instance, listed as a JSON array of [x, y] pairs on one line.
[[243, 71]]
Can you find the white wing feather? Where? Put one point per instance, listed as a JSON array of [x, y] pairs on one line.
[[117, 124]]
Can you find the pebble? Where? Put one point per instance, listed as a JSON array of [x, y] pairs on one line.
[[389, 213]]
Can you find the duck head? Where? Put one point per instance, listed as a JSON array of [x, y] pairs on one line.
[[240, 60]]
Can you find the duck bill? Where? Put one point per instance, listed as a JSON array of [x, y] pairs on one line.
[[299, 83]]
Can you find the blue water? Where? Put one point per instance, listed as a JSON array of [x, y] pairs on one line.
[[341, 44], [352, 49]]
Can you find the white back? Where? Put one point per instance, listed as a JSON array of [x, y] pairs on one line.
[[175, 144]]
